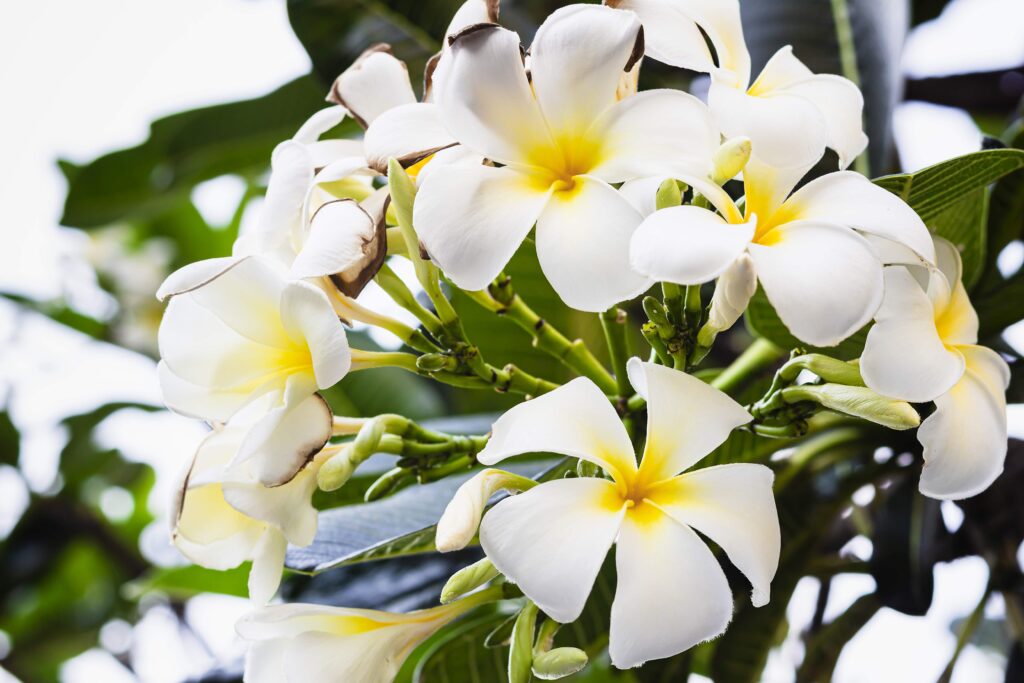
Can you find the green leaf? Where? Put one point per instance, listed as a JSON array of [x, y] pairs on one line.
[[765, 322], [1006, 213], [10, 441], [403, 524], [182, 583], [185, 149]]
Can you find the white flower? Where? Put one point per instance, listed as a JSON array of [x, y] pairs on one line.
[[300, 643], [224, 516], [562, 136], [790, 113], [461, 517], [823, 277], [248, 333], [923, 347], [552, 539], [736, 286]]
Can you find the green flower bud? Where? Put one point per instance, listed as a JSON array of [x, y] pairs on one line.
[[520, 656], [468, 579], [730, 159], [585, 468], [336, 472], [668, 195], [857, 401], [389, 481], [559, 663], [825, 367], [432, 362]]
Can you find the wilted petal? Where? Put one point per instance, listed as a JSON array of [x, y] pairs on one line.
[[375, 82], [575, 419], [686, 418], [734, 506], [671, 592], [552, 540], [408, 133], [825, 282], [687, 245], [577, 59], [583, 238], [965, 438], [472, 218], [343, 241], [904, 357]]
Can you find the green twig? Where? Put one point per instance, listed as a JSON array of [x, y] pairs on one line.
[[758, 355]]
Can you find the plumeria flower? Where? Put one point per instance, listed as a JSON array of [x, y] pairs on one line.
[[558, 136], [923, 347], [823, 276], [790, 113], [224, 516], [552, 539], [301, 643], [248, 333]]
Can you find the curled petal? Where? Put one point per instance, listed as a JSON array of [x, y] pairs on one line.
[[409, 133], [965, 438], [461, 517], [344, 242], [904, 356], [375, 82], [733, 292], [195, 275]]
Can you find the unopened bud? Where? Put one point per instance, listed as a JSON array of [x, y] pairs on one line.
[[559, 663], [468, 579], [585, 468], [336, 472], [388, 482], [858, 402], [461, 518], [733, 292], [432, 362], [668, 195], [520, 656], [828, 368], [730, 159]]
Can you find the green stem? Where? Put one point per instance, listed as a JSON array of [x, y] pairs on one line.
[[757, 356], [613, 322], [694, 306], [966, 633], [811, 448], [403, 296], [672, 296], [650, 332], [848, 60]]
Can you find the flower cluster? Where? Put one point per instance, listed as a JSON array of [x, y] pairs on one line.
[[623, 189]]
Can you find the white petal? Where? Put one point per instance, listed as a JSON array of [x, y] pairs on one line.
[[655, 132], [290, 179], [375, 82], [552, 540], [686, 418], [471, 219], [766, 187], [267, 566], [825, 282], [955, 316], [194, 400], [473, 12], [195, 275], [325, 152], [687, 245], [734, 506], [850, 199], [319, 123], [285, 440], [583, 238], [461, 517], [965, 438], [642, 193], [577, 59], [785, 130], [309, 317], [671, 593], [342, 239], [671, 35], [904, 357], [407, 133], [733, 292], [485, 100], [575, 419], [288, 507]]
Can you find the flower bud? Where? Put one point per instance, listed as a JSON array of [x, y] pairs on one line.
[[559, 663], [730, 159], [668, 195], [432, 362], [857, 401], [828, 368], [461, 518], [733, 292], [520, 656], [468, 579], [336, 472]]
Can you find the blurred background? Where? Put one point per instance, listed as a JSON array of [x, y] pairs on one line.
[[136, 138]]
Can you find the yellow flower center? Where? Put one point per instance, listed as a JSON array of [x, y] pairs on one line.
[[559, 165]]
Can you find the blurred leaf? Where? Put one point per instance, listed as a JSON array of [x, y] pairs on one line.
[[878, 28], [825, 646], [402, 524], [1006, 211], [60, 312], [765, 322], [185, 149], [10, 441], [181, 583], [907, 530]]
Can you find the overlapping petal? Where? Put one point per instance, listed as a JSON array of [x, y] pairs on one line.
[[552, 540], [376, 82], [408, 133]]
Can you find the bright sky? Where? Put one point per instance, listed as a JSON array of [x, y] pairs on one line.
[[82, 78]]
